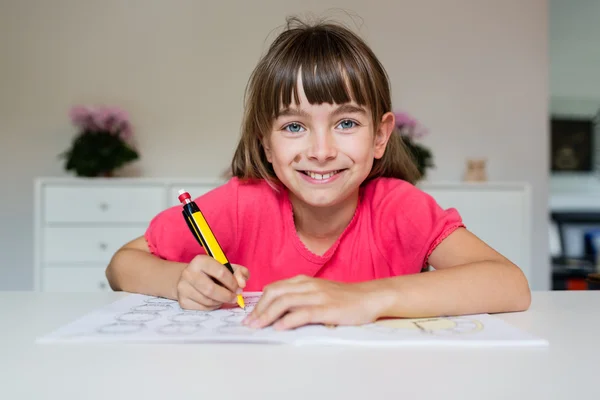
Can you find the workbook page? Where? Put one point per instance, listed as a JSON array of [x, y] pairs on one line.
[[140, 318]]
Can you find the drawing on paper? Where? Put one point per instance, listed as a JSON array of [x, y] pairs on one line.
[[190, 317], [137, 316], [179, 329], [117, 328], [173, 320], [140, 318], [159, 300], [157, 307], [432, 326]]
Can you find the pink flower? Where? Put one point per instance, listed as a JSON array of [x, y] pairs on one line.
[[408, 126], [82, 117], [404, 119], [96, 119], [102, 118], [126, 132]]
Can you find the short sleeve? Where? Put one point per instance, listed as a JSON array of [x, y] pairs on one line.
[[169, 237], [413, 224]]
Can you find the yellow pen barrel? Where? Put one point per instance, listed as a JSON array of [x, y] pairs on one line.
[[208, 238], [201, 230]]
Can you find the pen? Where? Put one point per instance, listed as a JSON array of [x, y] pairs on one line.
[[204, 235]]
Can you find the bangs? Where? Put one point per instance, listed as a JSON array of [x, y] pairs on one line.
[[331, 70]]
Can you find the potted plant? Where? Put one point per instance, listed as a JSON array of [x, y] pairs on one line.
[[410, 130], [103, 143]]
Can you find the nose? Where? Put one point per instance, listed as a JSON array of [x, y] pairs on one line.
[[322, 147]]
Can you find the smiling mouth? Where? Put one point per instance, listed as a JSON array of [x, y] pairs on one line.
[[322, 175]]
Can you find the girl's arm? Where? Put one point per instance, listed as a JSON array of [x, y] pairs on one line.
[[469, 278], [134, 269]]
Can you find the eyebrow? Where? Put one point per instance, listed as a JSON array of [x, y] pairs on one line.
[[349, 109], [343, 109], [293, 112]]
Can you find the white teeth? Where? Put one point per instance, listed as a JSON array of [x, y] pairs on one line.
[[321, 176]]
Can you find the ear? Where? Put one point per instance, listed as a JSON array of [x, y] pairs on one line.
[[382, 136]]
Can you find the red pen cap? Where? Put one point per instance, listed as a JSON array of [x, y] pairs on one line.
[[184, 197]]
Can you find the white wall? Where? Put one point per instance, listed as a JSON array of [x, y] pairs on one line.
[[475, 72]]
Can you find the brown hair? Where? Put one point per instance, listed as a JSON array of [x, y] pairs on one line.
[[337, 67]]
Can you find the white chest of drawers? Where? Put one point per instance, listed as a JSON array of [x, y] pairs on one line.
[[80, 223]]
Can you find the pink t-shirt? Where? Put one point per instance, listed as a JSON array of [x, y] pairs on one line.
[[395, 228]]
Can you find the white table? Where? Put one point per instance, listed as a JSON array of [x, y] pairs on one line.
[[568, 368]]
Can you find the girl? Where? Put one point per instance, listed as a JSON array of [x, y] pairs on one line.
[[321, 213]]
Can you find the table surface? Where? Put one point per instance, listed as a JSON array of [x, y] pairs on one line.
[[569, 366]]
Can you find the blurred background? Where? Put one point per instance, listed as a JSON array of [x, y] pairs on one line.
[[489, 79]]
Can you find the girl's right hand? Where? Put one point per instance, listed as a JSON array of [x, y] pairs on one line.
[[197, 291]]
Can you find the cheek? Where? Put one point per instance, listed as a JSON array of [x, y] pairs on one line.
[[286, 151], [359, 149]]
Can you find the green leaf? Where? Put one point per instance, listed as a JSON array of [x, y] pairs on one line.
[[94, 153]]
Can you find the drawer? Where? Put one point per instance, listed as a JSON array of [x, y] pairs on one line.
[[102, 203], [86, 244], [194, 191], [92, 279]]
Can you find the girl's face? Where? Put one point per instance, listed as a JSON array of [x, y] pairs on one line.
[[322, 153]]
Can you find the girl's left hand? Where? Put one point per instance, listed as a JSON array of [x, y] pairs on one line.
[[303, 300]]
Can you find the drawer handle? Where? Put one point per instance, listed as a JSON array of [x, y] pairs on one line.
[[103, 246], [102, 285], [104, 206]]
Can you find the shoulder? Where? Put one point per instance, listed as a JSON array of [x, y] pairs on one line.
[[380, 186], [254, 188], [236, 190], [244, 199], [392, 199], [381, 192], [168, 234], [255, 194], [408, 220]]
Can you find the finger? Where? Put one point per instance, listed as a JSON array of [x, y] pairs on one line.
[[303, 316], [187, 290], [241, 275], [243, 271], [275, 290], [190, 298], [283, 304], [220, 272], [209, 288]]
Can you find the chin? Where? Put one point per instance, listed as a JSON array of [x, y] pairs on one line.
[[321, 198], [320, 202]]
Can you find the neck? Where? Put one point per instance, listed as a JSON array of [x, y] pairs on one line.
[[323, 222]]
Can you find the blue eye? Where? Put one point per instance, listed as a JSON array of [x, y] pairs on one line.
[[347, 124], [293, 127]]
